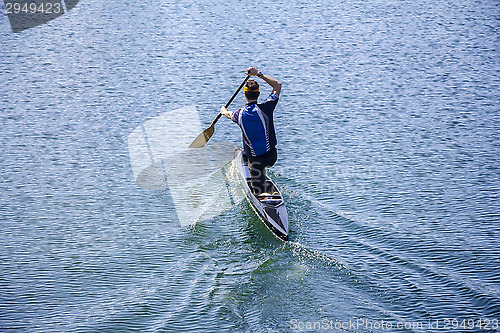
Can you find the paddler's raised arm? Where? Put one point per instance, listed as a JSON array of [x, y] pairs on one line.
[[252, 71]]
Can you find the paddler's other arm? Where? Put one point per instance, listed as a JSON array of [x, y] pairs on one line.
[[224, 111], [252, 71]]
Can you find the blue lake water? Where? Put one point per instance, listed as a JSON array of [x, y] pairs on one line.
[[389, 160]]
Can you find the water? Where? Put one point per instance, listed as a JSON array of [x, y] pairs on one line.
[[388, 130]]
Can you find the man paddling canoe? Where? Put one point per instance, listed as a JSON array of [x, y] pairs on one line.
[[257, 127]]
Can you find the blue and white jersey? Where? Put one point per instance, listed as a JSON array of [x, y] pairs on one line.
[[257, 127]]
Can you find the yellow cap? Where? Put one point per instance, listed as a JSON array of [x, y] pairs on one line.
[[247, 89]]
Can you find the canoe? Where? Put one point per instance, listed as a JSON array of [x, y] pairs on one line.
[[270, 209]]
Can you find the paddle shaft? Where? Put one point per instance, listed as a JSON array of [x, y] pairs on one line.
[[232, 97], [202, 139]]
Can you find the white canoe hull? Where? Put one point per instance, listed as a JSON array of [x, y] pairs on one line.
[[272, 211]]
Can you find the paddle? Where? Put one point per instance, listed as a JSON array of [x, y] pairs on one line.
[[202, 139]]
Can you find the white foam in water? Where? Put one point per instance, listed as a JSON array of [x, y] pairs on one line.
[[160, 159]]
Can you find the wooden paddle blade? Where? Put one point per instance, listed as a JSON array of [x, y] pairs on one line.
[[202, 139]]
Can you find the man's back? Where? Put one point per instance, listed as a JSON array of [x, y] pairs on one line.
[[257, 126]]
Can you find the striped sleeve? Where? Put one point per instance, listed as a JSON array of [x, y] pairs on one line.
[[269, 104], [272, 97], [235, 116]]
